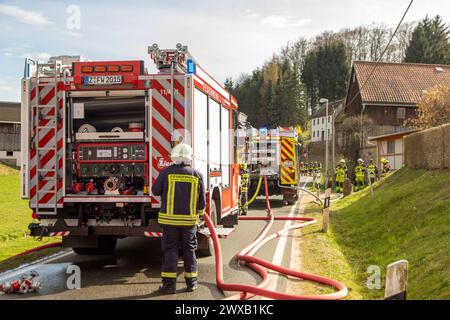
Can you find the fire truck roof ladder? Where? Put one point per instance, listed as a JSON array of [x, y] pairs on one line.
[[46, 118]]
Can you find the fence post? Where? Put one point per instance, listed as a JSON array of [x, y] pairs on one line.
[[326, 211], [396, 280]]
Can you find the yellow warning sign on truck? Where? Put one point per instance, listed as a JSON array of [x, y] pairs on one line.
[[288, 165]]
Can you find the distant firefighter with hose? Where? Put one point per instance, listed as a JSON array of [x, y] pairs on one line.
[[183, 202], [341, 175]]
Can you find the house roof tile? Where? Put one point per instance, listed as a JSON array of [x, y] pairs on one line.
[[398, 83]]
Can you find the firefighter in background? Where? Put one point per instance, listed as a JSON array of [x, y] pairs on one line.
[[245, 183], [372, 170], [318, 167], [341, 175], [386, 166], [360, 171], [183, 202], [302, 168]]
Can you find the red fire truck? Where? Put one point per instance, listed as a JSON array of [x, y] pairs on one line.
[[97, 134]]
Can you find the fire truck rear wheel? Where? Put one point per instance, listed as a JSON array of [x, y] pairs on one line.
[[106, 245]]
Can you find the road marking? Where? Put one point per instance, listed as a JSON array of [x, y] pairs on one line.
[[33, 265], [281, 246]]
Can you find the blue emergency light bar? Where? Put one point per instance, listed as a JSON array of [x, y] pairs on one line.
[[191, 68]]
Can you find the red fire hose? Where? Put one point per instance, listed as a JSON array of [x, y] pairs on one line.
[[45, 246], [259, 265]]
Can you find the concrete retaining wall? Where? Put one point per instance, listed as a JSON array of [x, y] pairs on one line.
[[428, 149]]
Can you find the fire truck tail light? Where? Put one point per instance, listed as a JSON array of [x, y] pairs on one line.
[[113, 68], [87, 69], [100, 68], [126, 68]]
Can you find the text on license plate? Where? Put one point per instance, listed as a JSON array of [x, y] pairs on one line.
[[102, 80]]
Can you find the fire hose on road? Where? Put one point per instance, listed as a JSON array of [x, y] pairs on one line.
[[258, 265]]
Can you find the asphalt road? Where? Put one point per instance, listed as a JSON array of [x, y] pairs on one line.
[[133, 272]]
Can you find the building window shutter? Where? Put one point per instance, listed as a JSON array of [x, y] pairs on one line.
[[401, 112]]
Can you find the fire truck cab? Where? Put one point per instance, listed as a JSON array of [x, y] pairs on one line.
[[97, 134]]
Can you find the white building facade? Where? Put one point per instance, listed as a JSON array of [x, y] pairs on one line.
[[319, 128]]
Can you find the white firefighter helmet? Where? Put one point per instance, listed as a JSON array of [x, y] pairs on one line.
[[360, 161], [181, 153], [342, 161]]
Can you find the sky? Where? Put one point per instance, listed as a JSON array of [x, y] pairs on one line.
[[228, 38]]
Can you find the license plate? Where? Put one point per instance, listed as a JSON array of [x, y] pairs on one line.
[[102, 80]]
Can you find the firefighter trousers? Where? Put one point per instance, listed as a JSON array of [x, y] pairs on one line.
[[173, 239]]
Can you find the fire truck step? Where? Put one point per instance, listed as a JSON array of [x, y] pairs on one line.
[[47, 149], [221, 232], [47, 105]]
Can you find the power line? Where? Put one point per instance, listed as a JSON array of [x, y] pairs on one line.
[[382, 54]]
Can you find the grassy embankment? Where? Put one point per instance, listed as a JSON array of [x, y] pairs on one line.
[[409, 218], [15, 215]]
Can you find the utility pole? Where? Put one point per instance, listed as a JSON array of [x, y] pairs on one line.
[[327, 137], [333, 149]]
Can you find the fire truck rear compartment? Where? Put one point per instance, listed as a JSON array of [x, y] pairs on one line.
[[108, 153], [107, 113]]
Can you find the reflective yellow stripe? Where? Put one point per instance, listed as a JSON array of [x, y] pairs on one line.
[[190, 274], [182, 178], [177, 222], [172, 275], [176, 216], [201, 212], [193, 204], [169, 200]]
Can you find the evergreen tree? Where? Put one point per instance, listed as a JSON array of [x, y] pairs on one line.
[[229, 84], [326, 71], [429, 42]]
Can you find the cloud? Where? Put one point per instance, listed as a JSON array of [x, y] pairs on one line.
[[301, 23], [29, 17], [40, 56], [22, 53], [280, 22], [250, 14], [5, 86]]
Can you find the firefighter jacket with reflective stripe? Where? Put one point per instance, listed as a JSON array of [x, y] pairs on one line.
[[341, 172], [372, 169], [182, 194]]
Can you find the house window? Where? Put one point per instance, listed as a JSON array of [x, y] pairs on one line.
[[9, 153], [323, 120], [401, 113], [314, 134], [323, 135], [314, 122], [391, 146]]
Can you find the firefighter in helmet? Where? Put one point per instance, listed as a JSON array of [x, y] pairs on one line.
[[245, 182], [341, 175], [372, 170], [183, 202], [302, 168], [386, 166], [360, 171]]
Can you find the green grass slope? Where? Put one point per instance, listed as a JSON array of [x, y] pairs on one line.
[[409, 218], [15, 215]]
